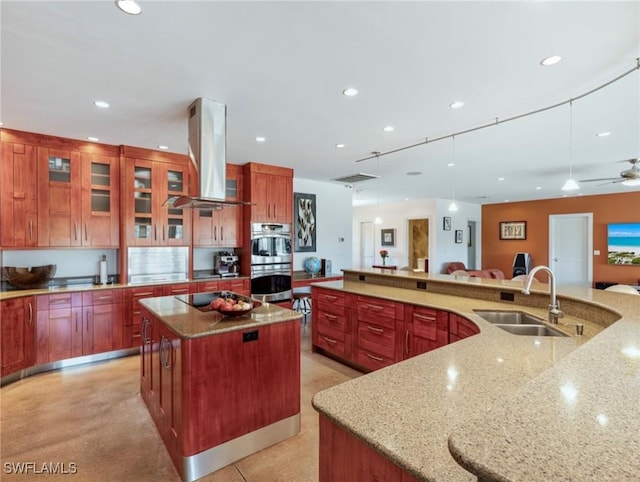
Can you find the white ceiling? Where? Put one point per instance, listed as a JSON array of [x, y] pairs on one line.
[[281, 68]]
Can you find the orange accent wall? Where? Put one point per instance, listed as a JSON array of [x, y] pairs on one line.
[[606, 208]]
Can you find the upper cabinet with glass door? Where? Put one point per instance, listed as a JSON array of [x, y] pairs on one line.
[[149, 221]]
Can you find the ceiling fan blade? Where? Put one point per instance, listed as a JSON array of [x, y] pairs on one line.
[[601, 179]]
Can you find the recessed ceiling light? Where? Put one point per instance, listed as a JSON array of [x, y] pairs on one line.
[[102, 104], [451, 164], [554, 59], [406, 199], [164, 148], [339, 146], [350, 92], [456, 105], [538, 188], [93, 139], [129, 6], [603, 134], [389, 129], [260, 139], [414, 173], [501, 179]]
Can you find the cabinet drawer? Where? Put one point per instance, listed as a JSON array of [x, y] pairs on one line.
[[380, 311], [372, 360], [203, 286], [462, 328], [180, 289], [331, 325], [57, 301], [378, 339], [237, 286], [101, 297], [330, 344], [428, 322], [323, 306], [330, 297]]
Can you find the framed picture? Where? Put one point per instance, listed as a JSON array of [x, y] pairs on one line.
[[458, 236], [388, 237], [513, 230], [304, 222], [446, 223]]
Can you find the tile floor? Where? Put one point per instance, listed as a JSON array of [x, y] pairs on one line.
[[93, 417]]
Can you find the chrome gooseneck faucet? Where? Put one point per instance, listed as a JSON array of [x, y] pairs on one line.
[[554, 306]]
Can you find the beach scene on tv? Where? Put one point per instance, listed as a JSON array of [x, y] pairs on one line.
[[624, 243]]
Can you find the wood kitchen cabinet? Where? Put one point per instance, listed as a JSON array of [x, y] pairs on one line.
[[330, 329], [148, 219], [77, 324], [102, 312], [377, 341], [222, 227], [345, 457], [460, 328], [426, 330], [60, 327], [75, 188], [18, 194], [270, 191], [133, 313], [18, 332]]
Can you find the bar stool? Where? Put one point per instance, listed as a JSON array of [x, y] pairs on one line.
[[302, 300]]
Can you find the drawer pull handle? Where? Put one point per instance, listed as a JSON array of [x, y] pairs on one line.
[[104, 297], [330, 297], [375, 307], [375, 330], [376, 358], [424, 317], [60, 300], [148, 293], [330, 341], [330, 316]]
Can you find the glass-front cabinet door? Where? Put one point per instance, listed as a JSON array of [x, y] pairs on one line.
[[150, 220], [101, 200]]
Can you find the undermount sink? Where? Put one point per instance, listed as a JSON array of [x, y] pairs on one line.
[[519, 323]]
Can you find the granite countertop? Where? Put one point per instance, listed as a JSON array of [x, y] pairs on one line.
[[74, 288], [507, 407], [303, 275], [189, 322]]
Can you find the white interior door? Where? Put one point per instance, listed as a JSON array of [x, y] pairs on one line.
[[367, 244], [570, 248]]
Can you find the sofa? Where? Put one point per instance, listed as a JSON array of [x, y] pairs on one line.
[[485, 273]]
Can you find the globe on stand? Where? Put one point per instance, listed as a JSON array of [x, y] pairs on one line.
[[312, 266]]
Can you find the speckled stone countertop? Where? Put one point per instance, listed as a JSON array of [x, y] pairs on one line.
[[501, 402], [189, 322], [74, 288]]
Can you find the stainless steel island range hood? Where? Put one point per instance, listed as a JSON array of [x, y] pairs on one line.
[[207, 151]]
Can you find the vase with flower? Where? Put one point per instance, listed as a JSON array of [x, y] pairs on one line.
[[384, 254]]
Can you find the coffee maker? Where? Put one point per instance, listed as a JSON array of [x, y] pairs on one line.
[[226, 265]]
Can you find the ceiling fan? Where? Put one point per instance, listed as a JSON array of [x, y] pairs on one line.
[[629, 177]]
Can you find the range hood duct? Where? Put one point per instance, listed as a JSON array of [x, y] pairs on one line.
[[208, 153]]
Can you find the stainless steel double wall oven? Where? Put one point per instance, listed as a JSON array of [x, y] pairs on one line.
[[271, 262]]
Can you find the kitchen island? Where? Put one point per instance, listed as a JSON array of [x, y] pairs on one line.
[[506, 407], [219, 388]]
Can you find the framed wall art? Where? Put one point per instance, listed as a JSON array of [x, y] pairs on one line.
[[446, 223], [388, 237], [458, 236], [513, 230], [304, 222]]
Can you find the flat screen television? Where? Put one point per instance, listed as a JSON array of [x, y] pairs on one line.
[[624, 244]]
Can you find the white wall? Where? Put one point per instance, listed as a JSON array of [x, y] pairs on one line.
[[333, 223], [442, 246]]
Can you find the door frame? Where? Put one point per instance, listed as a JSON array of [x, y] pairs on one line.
[[552, 234]]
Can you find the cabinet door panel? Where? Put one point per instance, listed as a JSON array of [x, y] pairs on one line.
[[17, 335], [377, 339]]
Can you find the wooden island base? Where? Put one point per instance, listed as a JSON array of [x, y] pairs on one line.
[[222, 396]]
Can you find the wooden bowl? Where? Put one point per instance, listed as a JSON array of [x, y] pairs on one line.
[[236, 297], [28, 278]]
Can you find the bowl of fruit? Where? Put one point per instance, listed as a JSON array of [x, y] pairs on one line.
[[232, 304]]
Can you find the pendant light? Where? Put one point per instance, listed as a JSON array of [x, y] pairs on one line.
[[570, 184], [453, 207], [378, 219]]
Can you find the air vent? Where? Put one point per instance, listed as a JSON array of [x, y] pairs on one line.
[[353, 178]]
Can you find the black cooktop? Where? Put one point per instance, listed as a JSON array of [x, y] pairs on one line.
[[199, 300]]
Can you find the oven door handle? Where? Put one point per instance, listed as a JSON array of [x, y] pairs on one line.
[[260, 274]]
